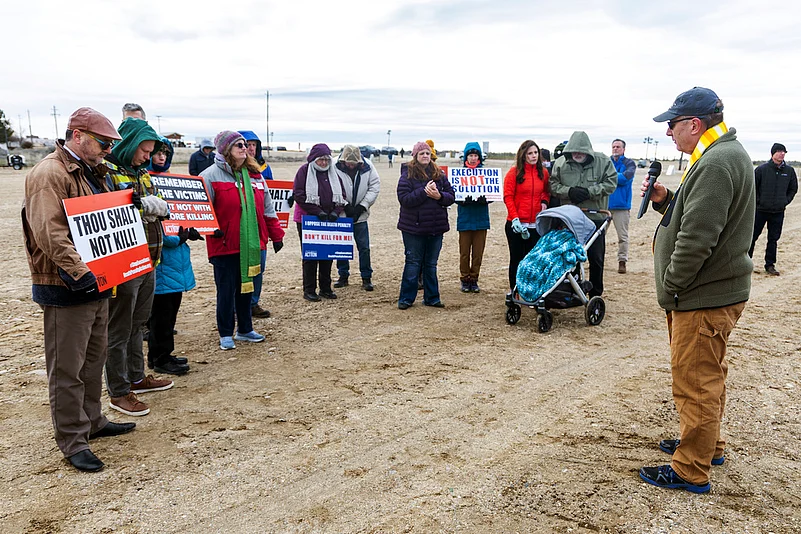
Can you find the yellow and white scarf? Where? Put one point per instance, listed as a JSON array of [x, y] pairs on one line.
[[707, 138]]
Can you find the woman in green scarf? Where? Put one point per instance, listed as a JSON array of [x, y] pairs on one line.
[[234, 249]]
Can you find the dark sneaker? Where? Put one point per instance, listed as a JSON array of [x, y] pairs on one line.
[[465, 287], [170, 367], [665, 477], [770, 269], [151, 383], [403, 305], [474, 287], [437, 304], [342, 282], [258, 312], [669, 446]]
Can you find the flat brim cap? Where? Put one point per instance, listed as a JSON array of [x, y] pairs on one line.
[[92, 121], [697, 102]]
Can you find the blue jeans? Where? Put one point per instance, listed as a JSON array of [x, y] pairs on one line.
[[422, 253], [228, 280], [254, 299], [361, 236]]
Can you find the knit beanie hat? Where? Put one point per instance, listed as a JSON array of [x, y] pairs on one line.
[[420, 146], [350, 154], [776, 147], [318, 151], [225, 139]]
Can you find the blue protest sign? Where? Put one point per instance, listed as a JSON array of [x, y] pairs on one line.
[[326, 240]]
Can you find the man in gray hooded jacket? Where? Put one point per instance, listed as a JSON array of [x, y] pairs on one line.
[[586, 178]]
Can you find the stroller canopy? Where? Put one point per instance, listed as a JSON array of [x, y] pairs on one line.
[[572, 217]]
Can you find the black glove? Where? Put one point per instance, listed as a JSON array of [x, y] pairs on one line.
[[290, 200], [183, 235], [323, 216], [194, 235], [358, 209], [578, 195], [468, 200], [278, 245], [350, 211], [85, 284], [333, 216], [137, 200], [217, 233], [481, 200]]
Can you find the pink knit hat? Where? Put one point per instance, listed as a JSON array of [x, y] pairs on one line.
[[419, 147], [225, 139]]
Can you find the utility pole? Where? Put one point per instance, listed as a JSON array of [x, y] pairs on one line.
[[267, 96], [647, 141], [388, 134], [19, 135], [158, 118], [54, 114], [656, 144], [30, 129]]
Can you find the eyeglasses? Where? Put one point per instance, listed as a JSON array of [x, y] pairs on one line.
[[104, 145], [672, 124], [240, 145]]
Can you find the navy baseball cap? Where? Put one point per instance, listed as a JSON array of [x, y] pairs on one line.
[[697, 102]]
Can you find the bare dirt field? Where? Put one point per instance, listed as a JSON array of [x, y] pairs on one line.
[[355, 416]]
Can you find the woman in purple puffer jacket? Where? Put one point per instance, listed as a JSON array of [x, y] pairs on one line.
[[424, 194]]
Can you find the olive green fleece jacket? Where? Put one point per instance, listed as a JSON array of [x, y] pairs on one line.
[[597, 174], [701, 245]]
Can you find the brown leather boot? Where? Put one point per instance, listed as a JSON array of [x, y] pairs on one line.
[[621, 267]]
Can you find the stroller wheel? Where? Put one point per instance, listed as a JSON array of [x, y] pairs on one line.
[[545, 321], [513, 313], [595, 311]]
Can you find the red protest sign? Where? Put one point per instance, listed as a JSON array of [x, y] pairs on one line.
[[109, 236], [189, 203], [280, 191]]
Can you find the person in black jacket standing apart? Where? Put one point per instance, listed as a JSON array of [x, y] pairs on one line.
[[776, 186]]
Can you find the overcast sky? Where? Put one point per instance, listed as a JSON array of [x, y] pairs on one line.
[[453, 71]]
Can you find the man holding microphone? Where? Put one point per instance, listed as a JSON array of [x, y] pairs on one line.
[[703, 278]]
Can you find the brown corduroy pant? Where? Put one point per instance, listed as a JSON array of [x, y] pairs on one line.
[[698, 341], [76, 344], [471, 253]]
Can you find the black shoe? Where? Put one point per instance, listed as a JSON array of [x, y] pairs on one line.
[[328, 295], [669, 446], [465, 287], [367, 284], [665, 477], [437, 304], [770, 269], [312, 297], [170, 367], [403, 305], [113, 429], [86, 461], [474, 287], [179, 360], [342, 282]]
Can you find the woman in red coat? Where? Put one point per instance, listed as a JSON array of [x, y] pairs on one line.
[[525, 193]]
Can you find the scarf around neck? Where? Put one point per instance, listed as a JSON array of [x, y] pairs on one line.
[[249, 244], [313, 189]]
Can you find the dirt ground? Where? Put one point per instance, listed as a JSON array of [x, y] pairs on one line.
[[355, 416]]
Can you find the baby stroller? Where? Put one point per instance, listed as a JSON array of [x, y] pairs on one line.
[[571, 288]]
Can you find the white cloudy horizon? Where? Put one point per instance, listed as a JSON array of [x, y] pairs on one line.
[[454, 71]]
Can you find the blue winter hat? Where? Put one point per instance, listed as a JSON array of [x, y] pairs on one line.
[[697, 102]]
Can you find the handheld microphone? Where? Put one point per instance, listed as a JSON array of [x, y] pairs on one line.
[[653, 173]]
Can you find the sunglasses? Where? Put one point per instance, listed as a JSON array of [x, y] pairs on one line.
[[240, 145], [104, 145], [672, 124]]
